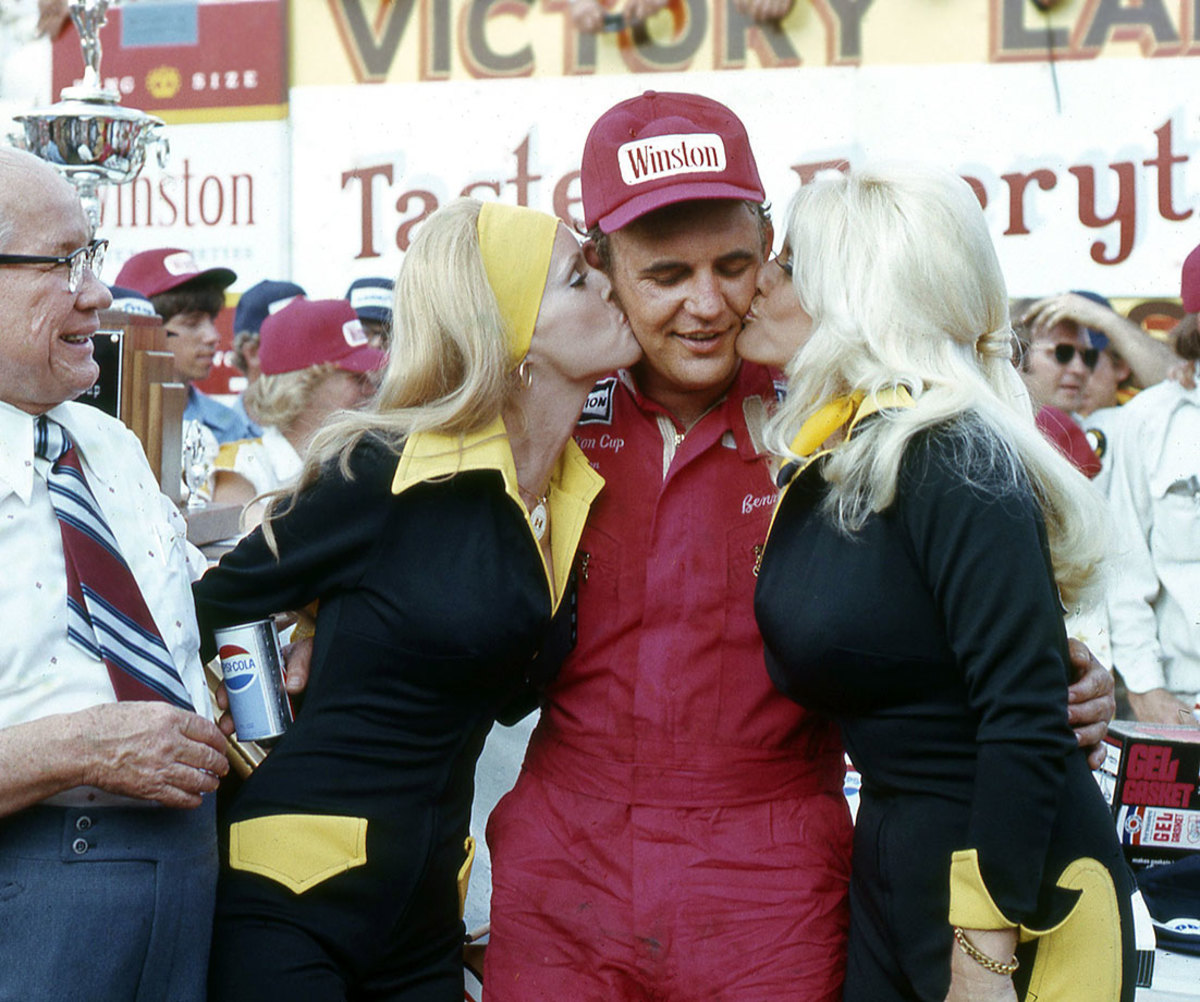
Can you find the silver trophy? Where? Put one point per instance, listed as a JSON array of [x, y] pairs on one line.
[[200, 449], [88, 136]]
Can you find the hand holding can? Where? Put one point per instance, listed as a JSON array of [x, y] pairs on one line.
[[252, 666]]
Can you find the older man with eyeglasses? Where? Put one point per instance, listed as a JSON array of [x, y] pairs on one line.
[[108, 753]]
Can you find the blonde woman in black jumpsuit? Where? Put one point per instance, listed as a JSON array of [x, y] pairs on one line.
[[912, 587], [437, 532]]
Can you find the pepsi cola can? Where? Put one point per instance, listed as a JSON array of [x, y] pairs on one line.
[[252, 665]]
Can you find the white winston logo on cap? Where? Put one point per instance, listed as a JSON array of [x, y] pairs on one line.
[[664, 156], [353, 333], [180, 263]]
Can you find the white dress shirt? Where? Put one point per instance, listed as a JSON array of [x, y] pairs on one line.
[[1154, 495], [40, 671]]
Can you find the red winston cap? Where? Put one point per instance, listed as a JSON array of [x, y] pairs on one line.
[[658, 149], [167, 268], [1189, 286], [311, 331]]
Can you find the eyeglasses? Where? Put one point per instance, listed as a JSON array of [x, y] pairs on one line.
[[1063, 353], [90, 258]]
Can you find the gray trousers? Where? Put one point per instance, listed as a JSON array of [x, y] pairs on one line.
[[106, 904]]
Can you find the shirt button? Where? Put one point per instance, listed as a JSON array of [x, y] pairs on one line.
[[83, 823], [80, 846]]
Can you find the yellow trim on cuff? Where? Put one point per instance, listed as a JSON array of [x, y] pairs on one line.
[[298, 851], [1079, 960], [971, 905]]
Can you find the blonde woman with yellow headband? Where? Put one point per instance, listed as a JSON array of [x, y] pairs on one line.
[[437, 530]]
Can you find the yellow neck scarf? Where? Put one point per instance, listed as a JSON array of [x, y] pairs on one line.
[[843, 411], [515, 244]]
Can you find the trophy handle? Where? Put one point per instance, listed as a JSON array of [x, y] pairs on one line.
[[161, 143]]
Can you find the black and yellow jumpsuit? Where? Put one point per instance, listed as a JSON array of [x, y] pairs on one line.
[[934, 635], [435, 609]]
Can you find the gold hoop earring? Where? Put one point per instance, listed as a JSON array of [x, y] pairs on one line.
[[525, 373]]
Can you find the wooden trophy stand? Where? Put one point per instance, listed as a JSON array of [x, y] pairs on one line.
[[137, 384]]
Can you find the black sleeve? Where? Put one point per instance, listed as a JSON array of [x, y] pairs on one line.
[[980, 540], [324, 542]]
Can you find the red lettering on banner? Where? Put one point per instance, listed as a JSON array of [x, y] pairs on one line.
[[564, 201], [215, 201], [1124, 214], [1165, 161], [1105, 198], [429, 204], [366, 177], [1017, 183], [523, 179], [1121, 192]]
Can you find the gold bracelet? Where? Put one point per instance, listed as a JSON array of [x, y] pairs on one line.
[[982, 959]]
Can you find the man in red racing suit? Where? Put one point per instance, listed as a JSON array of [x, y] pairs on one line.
[[678, 830]]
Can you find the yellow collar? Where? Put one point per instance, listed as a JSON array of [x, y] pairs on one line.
[[844, 412], [430, 455]]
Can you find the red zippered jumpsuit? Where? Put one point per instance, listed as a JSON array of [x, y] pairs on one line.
[[678, 830]]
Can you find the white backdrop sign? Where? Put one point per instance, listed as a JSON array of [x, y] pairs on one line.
[[1099, 194]]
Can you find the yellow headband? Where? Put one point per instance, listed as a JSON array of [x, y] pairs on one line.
[[515, 245]]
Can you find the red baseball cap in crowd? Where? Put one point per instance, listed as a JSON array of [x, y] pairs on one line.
[[1189, 286], [311, 331], [658, 149], [167, 268]]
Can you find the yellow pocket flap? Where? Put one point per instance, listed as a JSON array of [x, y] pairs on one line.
[[298, 850]]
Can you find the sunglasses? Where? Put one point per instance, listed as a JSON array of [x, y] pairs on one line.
[[1063, 353]]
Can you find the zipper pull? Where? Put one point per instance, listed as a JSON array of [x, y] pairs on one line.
[[584, 559], [758, 555]]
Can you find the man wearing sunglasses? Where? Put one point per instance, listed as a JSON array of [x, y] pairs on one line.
[[1056, 361], [107, 842], [1123, 352]]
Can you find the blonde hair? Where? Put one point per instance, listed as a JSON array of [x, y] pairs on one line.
[[279, 399], [897, 269], [448, 368]]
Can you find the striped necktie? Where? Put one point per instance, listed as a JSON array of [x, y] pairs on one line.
[[106, 614]]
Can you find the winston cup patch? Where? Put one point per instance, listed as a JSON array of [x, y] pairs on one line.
[[599, 406]]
